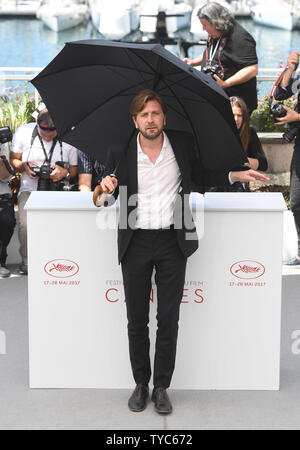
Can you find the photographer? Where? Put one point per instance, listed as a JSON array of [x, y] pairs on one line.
[[287, 88], [46, 164], [90, 171], [230, 57], [7, 214]]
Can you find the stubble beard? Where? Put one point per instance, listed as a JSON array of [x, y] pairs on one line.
[[151, 136]]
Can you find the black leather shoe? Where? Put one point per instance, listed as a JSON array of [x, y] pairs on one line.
[[161, 401], [139, 398]]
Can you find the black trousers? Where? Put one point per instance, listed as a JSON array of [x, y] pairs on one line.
[[295, 191], [148, 250], [7, 224]]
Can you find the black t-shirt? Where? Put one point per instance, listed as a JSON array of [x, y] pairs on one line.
[[255, 150], [239, 51]]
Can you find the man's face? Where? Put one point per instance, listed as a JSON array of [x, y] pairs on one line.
[[210, 28], [151, 120], [46, 133]]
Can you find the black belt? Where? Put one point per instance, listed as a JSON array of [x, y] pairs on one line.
[[170, 228]]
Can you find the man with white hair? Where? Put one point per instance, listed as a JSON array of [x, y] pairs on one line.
[[230, 56]]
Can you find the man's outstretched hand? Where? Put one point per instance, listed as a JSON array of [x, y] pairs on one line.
[[247, 176]]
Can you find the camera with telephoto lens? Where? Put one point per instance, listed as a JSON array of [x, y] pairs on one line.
[[44, 182], [213, 69], [5, 135], [291, 132]]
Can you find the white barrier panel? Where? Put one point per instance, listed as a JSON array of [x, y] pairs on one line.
[[229, 331]]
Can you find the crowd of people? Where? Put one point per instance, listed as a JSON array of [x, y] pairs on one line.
[[45, 163]]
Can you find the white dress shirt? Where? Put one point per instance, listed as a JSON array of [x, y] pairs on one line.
[[158, 185]]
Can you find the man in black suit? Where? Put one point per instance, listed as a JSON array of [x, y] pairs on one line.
[[156, 230]]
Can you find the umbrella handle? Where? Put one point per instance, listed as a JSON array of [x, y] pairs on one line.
[[99, 196], [99, 193]]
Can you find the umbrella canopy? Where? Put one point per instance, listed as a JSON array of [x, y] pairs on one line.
[[89, 85]]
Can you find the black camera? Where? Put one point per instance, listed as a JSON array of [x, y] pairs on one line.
[[5, 135], [44, 182], [277, 110], [43, 172], [213, 69]]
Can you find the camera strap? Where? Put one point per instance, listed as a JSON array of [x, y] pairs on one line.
[[275, 86], [211, 50], [48, 158]]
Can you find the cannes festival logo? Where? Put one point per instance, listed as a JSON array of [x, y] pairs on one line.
[[61, 268], [247, 270]]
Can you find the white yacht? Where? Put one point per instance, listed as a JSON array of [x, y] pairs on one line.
[[241, 8], [149, 10], [275, 13], [116, 18], [196, 27], [19, 7], [60, 15]]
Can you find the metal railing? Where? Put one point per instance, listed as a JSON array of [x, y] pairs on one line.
[[20, 74], [27, 73]]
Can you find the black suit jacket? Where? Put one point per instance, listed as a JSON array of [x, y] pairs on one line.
[[194, 178]]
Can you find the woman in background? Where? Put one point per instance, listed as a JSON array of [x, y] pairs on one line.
[[251, 143]]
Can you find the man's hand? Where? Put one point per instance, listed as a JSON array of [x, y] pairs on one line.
[[291, 116], [58, 173], [194, 62], [293, 61], [187, 60], [220, 82], [109, 184], [85, 182], [247, 176], [292, 64], [27, 168]]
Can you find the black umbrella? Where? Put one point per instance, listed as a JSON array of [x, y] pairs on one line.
[[89, 85]]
